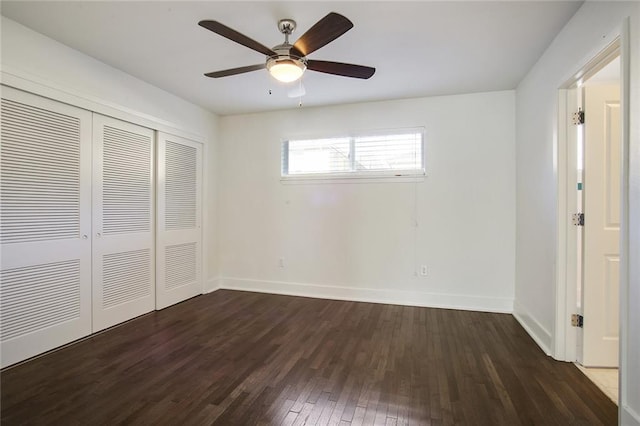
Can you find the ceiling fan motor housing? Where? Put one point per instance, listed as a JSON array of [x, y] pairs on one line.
[[284, 58], [283, 51]]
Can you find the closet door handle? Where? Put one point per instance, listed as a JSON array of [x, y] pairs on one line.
[[98, 235], [85, 236]]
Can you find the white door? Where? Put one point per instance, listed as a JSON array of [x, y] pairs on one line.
[[179, 234], [45, 226], [601, 195], [123, 222]]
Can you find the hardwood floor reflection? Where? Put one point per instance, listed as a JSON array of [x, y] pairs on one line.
[[238, 358]]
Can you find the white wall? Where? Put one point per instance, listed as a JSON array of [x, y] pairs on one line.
[[357, 240], [592, 28], [33, 62]]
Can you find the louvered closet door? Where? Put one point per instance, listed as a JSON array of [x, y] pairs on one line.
[[179, 235], [123, 225], [45, 224]]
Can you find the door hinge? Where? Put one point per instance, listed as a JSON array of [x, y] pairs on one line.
[[577, 118], [577, 320], [578, 219]]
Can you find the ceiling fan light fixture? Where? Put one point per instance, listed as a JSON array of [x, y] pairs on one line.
[[286, 70]]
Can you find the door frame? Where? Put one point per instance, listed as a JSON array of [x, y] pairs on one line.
[[567, 253], [564, 335]]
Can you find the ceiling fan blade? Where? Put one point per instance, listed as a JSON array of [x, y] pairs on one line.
[[234, 71], [233, 35], [338, 68], [322, 33]]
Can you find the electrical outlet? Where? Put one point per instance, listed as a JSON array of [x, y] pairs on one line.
[[423, 270], [281, 262]]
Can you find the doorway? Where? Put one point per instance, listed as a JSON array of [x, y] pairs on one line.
[[598, 240], [573, 189]]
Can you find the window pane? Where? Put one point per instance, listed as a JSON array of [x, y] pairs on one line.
[[389, 152], [319, 156], [369, 155]]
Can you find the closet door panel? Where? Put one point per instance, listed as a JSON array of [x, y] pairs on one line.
[[45, 225], [179, 235], [123, 222]]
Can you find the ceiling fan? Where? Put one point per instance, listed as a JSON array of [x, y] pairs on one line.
[[287, 62]]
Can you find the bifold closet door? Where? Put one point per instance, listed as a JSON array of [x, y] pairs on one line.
[[179, 233], [123, 222], [45, 225]]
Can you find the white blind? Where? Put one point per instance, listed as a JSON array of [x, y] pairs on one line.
[[318, 156], [398, 153], [389, 152]]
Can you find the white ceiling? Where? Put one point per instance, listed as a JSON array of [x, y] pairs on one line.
[[418, 48]]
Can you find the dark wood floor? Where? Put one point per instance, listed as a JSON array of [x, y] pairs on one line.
[[237, 358]]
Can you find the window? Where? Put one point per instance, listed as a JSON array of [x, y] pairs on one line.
[[388, 154]]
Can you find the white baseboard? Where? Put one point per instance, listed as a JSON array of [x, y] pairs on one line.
[[628, 417], [393, 297], [538, 333], [211, 285]]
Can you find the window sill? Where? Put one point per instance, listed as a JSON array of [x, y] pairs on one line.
[[341, 179]]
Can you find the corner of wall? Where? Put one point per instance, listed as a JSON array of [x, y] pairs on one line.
[[538, 333], [211, 249], [212, 285]]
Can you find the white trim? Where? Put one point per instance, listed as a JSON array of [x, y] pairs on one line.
[[537, 331], [628, 417], [204, 222], [561, 167], [22, 80], [370, 295], [341, 179], [565, 337]]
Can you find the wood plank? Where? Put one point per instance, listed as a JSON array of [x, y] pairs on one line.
[[239, 358]]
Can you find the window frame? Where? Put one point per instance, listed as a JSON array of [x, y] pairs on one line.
[[406, 175]]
